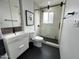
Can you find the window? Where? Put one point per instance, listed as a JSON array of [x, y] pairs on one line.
[[48, 17]]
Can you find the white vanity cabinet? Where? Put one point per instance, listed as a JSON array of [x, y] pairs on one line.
[[5, 14], [9, 13], [17, 44], [15, 10]]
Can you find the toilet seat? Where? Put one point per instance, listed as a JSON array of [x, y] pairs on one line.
[[38, 38]]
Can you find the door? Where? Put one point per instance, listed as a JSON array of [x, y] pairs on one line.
[[50, 20], [69, 45]]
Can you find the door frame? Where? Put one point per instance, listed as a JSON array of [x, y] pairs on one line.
[[61, 21]]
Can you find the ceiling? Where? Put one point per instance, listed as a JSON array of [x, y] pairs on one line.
[[43, 3]]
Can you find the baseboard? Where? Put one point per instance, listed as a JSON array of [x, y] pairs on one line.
[[51, 44], [47, 37]]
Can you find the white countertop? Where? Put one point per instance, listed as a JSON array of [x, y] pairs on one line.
[[12, 35]]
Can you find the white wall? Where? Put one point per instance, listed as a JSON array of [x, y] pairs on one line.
[[27, 5], [69, 45], [37, 21], [37, 18], [51, 30]]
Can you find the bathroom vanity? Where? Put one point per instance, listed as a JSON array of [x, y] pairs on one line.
[[16, 44]]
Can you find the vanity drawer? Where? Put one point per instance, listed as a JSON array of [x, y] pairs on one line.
[[17, 48]]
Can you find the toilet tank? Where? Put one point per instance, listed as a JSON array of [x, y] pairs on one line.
[[32, 34]]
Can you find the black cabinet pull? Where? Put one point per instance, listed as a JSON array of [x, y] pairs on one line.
[[10, 20], [13, 30]]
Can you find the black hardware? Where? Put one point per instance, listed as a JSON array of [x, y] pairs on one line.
[[61, 4], [10, 20], [72, 13], [48, 7], [38, 25], [59, 25], [13, 30]]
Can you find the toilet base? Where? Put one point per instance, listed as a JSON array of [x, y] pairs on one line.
[[38, 44]]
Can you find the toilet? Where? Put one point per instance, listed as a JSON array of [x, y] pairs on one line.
[[37, 40]]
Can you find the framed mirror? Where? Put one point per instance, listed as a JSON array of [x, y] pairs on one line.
[[29, 18]]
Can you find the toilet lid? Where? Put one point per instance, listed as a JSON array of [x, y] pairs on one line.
[[38, 38]]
